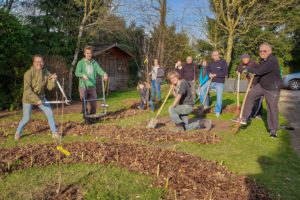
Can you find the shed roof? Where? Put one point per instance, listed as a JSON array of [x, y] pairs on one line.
[[99, 49]]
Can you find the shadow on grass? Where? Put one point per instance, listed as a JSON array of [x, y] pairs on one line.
[[280, 171]]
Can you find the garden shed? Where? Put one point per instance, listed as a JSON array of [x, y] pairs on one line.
[[114, 61]]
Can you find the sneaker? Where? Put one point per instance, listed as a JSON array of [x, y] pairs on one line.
[[273, 134], [258, 117], [206, 108], [240, 120], [56, 136], [206, 123], [17, 136], [218, 115]]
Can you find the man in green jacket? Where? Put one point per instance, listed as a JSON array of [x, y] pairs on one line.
[[36, 80], [87, 70]]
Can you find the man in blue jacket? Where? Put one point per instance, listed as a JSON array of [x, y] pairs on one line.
[[218, 70]]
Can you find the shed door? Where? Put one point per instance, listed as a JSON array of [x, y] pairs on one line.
[[111, 70]]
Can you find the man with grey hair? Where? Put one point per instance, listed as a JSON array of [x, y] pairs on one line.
[[218, 70], [268, 86]]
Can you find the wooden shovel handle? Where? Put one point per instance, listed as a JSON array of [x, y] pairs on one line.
[[161, 107], [246, 95], [238, 90]]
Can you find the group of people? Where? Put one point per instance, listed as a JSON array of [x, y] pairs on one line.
[[266, 84], [37, 79], [211, 75], [183, 79]]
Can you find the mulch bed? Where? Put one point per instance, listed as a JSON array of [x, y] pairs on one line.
[[121, 133], [186, 176], [2, 135], [143, 134]]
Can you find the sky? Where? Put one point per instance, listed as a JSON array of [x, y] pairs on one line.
[[187, 15]]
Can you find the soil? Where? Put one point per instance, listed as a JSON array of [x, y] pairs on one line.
[[185, 176], [2, 135], [163, 133], [70, 192], [225, 109], [144, 134]]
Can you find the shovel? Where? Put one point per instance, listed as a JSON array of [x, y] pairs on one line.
[[153, 122], [236, 128], [238, 95]]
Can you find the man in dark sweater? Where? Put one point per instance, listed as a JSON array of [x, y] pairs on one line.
[[188, 74], [268, 85], [218, 70], [183, 105]]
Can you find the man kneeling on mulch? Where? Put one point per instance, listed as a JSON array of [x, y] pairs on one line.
[[183, 105]]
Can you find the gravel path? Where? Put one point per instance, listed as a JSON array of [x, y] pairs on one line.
[[289, 106]]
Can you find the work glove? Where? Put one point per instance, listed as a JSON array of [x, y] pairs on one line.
[[243, 70]]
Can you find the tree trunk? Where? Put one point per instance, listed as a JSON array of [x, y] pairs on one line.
[[9, 4], [75, 57], [161, 29], [229, 47]]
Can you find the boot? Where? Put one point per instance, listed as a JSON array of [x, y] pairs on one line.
[[205, 123], [180, 127], [273, 134]]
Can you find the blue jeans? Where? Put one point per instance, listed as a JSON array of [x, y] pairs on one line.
[[219, 87], [179, 114], [142, 105], [203, 90], [155, 85], [27, 110]]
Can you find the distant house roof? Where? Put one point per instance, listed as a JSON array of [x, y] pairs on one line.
[[99, 49]]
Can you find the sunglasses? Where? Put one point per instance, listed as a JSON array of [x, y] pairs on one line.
[[263, 51]]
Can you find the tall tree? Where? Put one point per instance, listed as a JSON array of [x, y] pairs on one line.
[[95, 13], [162, 10], [237, 17]]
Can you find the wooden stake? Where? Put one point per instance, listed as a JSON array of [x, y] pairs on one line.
[[82, 156], [157, 171], [167, 183], [31, 161], [117, 155]]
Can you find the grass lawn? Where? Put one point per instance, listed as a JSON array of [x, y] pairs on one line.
[[270, 162]]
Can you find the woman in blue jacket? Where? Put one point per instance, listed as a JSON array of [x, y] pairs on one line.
[[203, 83]]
